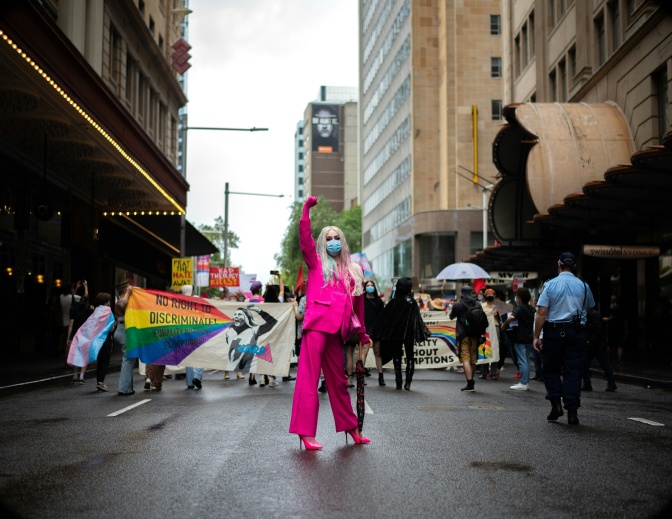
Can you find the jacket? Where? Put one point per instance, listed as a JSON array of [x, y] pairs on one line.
[[328, 308]]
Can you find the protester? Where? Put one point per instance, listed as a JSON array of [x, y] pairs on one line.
[[79, 313], [125, 387], [467, 346], [561, 314], [617, 328], [597, 348], [68, 298], [399, 328], [491, 370], [524, 314], [255, 289], [103, 360], [373, 307], [334, 305], [194, 376]]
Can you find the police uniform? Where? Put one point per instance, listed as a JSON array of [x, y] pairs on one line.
[[567, 299]]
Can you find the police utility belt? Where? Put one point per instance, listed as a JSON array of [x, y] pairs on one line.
[[563, 326]]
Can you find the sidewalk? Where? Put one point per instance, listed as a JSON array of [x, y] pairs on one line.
[[24, 375]]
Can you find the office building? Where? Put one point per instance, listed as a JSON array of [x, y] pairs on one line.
[[431, 95]]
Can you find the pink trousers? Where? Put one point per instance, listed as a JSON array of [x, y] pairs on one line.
[[321, 351]]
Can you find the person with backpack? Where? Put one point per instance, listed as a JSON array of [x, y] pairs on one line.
[[467, 335], [524, 314]]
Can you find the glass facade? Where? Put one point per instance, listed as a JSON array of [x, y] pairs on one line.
[[437, 251], [395, 262], [401, 173]]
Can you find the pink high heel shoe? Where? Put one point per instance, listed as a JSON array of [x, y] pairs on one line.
[[309, 443], [356, 436]]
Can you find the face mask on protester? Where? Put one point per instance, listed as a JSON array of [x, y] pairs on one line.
[[334, 247], [370, 290], [480, 297], [490, 298]]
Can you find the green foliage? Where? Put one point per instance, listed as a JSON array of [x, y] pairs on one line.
[[215, 233], [322, 215]]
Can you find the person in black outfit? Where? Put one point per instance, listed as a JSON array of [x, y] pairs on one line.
[[597, 348], [399, 328], [373, 307]]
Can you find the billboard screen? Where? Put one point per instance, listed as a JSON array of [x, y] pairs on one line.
[[325, 128]]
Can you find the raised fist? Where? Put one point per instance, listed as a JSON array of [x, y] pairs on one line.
[[311, 201]]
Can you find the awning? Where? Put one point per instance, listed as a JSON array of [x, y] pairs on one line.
[[164, 232]]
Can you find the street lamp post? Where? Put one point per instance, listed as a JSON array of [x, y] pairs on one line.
[[226, 214]]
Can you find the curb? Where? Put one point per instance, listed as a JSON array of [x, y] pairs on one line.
[[635, 380], [29, 385]]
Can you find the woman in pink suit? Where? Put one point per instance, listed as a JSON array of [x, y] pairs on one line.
[[334, 289]]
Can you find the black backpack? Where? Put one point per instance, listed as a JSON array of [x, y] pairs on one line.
[[475, 321]]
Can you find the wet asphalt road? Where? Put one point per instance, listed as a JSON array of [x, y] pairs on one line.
[[435, 452]]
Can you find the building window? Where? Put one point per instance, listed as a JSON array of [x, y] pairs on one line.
[[151, 122], [551, 13], [632, 5], [130, 82], [615, 18], [600, 40], [495, 67], [161, 43], [523, 44], [151, 25], [516, 55], [553, 86], [495, 24], [531, 35], [571, 55], [173, 137], [115, 55], [497, 114], [563, 6], [660, 90], [142, 98], [141, 7], [562, 73], [163, 119]]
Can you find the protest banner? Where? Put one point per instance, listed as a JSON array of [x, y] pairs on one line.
[[440, 350], [173, 329], [182, 273]]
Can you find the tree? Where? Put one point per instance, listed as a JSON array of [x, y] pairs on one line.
[[322, 215], [215, 233]]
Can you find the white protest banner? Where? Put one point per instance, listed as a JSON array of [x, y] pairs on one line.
[[172, 329]]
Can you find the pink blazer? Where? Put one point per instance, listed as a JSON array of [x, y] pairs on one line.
[[328, 308]]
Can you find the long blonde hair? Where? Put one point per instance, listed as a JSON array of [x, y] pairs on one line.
[[344, 268]]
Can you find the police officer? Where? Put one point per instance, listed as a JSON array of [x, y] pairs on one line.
[[562, 314]]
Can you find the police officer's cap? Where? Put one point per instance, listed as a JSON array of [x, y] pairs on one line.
[[567, 259]]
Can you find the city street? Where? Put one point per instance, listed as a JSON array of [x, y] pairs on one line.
[[68, 451]]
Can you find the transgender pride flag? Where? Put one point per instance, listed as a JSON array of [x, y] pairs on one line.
[[90, 337]]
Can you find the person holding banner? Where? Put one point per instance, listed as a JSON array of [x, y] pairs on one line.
[[125, 387], [334, 310]]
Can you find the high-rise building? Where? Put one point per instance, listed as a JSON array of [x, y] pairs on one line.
[[431, 96], [327, 162], [298, 163]]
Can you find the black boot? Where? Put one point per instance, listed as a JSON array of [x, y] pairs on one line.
[[397, 372], [470, 386], [556, 410], [572, 417], [410, 369], [381, 380]]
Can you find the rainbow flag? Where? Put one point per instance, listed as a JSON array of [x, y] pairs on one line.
[[90, 337], [165, 328]]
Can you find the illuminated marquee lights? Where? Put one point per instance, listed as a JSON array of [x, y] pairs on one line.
[[93, 123]]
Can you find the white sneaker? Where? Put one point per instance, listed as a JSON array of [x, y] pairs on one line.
[[273, 383], [520, 387]]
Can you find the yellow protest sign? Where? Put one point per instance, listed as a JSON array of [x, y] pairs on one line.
[[182, 272]]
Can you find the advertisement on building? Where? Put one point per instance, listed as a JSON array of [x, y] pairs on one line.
[[325, 128]]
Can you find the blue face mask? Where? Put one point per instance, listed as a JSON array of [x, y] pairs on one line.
[[333, 247], [370, 290]]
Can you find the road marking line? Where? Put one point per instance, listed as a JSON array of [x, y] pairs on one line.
[[117, 413], [367, 409], [648, 422]]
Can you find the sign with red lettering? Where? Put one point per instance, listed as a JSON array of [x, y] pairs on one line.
[[224, 276]]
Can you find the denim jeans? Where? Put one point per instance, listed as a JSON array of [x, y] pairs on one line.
[[523, 352], [193, 373], [127, 365]]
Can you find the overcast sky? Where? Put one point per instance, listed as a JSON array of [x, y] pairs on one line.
[[258, 63]]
